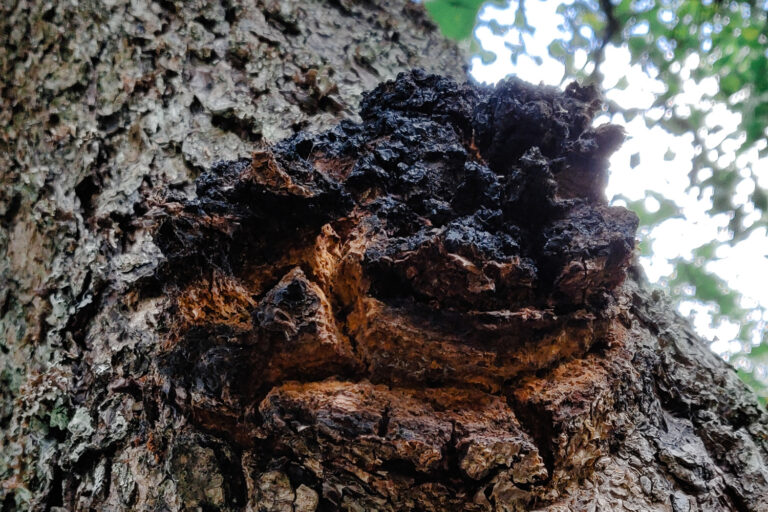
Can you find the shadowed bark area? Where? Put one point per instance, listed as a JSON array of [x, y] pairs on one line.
[[429, 306]]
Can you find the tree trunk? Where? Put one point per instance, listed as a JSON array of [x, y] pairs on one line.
[[428, 307]]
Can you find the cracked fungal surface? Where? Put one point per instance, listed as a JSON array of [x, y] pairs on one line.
[[375, 299], [436, 309]]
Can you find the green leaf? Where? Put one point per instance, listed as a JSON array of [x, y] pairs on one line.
[[706, 252], [497, 28], [730, 83], [556, 49], [750, 34], [456, 18], [760, 198], [637, 46], [759, 353]]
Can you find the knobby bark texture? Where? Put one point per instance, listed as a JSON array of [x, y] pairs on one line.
[[104, 104], [426, 307]]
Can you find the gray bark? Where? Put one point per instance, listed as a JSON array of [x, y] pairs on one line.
[[108, 110], [103, 105]]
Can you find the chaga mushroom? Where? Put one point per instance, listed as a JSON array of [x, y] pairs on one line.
[[398, 282]]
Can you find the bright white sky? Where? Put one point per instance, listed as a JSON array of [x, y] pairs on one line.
[[745, 266]]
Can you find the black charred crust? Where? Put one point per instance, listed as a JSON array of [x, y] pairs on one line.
[[418, 94], [517, 116], [476, 199], [510, 175], [233, 217]]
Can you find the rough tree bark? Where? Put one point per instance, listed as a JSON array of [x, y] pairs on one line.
[[427, 307]]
